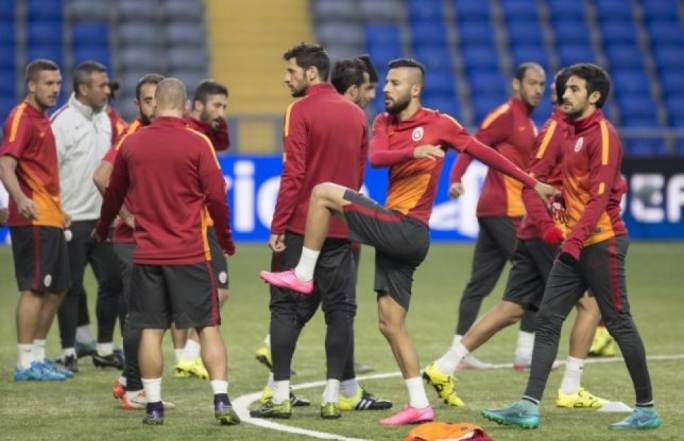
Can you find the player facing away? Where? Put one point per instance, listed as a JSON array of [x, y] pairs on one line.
[[510, 131], [537, 245], [162, 169], [29, 171], [592, 257], [410, 140]]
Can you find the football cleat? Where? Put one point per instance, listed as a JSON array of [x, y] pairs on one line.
[[410, 415], [105, 361], [641, 418], [603, 344], [269, 409], [50, 365], [263, 356], [118, 390], [330, 411], [225, 414], [186, 368], [363, 400], [580, 399], [37, 372], [85, 349], [522, 413], [267, 395], [154, 415], [444, 385], [288, 280]]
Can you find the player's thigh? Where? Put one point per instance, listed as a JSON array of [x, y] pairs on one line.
[[525, 285], [79, 248], [604, 268], [335, 277], [394, 278], [124, 254], [193, 295], [503, 232], [149, 305], [564, 287], [544, 254], [106, 268], [41, 261]]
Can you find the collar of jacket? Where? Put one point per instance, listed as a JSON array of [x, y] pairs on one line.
[[87, 111]]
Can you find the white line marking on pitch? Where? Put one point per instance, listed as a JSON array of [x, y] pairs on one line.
[[241, 404]]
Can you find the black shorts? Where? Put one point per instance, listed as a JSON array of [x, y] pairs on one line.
[[334, 282], [41, 261], [401, 244], [218, 260], [183, 294], [532, 264]]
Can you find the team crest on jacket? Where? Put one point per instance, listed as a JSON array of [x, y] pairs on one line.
[[417, 134], [578, 144]]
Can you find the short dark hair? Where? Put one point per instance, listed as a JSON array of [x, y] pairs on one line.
[[346, 73], [208, 87], [310, 55], [409, 62], [372, 72], [37, 66], [597, 80], [150, 78], [559, 81], [114, 86], [522, 69], [84, 71]]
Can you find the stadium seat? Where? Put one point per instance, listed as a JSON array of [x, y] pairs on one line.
[[483, 104], [139, 11], [51, 51], [640, 147], [618, 33], [185, 34], [672, 82], [668, 57], [181, 58], [6, 11], [562, 10], [183, 10], [142, 59], [374, 11], [7, 61], [88, 10], [490, 83], [425, 11], [8, 81], [665, 33], [440, 82], [428, 35], [382, 57], [38, 33], [524, 54], [525, 32], [93, 53], [342, 33], [469, 10], [383, 36], [614, 10], [572, 54], [572, 32], [625, 57], [661, 11], [7, 103], [636, 107], [137, 33], [44, 11], [480, 58], [673, 103], [89, 35], [520, 10], [543, 111], [190, 77], [334, 10], [433, 58], [448, 105], [631, 82], [476, 32]]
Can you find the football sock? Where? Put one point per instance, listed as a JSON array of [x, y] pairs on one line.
[[192, 349], [307, 263], [417, 397], [573, 375], [39, 349], [25, 356], [332, 391], [152, 388], [348, 388], [219, 387]]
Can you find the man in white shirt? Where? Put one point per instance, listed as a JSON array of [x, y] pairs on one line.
[[83, 134]]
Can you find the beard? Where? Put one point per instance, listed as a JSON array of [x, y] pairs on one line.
[[298, 93], [572, 112], [204, 116], [146, 119], [398, 106]]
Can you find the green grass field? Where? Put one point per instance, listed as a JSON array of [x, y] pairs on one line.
[[83, 408]]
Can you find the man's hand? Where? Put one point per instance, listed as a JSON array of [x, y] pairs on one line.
[[558, 212], [428, 152], [455, 190], [277, 243], [129, 220], [4, 216], [230, 249], [552, 235], [93, 234], [545, 191], [27, 208]]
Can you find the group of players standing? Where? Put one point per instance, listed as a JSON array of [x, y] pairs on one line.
[[166, 189]]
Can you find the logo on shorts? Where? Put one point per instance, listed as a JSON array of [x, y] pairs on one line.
[[47, 281], [223, 277], [579, 144], [417, 134]]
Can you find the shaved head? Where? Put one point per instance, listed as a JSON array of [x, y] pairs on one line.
[[171, 96], [414, 69]]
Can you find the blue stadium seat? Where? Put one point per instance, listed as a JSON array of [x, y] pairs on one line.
[[429, 34], [525, 32], [680, 146], [476, 32], [7, 10], [661, 10], [483, 104], [425, 11], [472, 10], [614, 10], [671, 81], [668, 57], [572, 54], [640, 147], [7, 103], [572, 32], [440, 82], [520, 10], [542, 112], [433, 58], [8, 81], [39, 33], [631, 82], [88, 10], [382, 35], [44, 11], [52, 52], [625, 56], [491, 83], [524, 54], [90, 35], [673, 103], [635, 107], [618, 33], [382, 56], [448, 105], [665, 33], [99, 54], [562, 10], [480, 58]]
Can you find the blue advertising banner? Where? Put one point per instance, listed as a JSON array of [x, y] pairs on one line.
[[652, 207]]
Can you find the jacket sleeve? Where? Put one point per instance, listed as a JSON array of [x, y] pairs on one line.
[[114, 195], [294, 167], [380, 153]]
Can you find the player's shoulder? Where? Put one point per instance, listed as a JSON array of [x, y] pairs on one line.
[[442, 119], [19, 114], [496, 114], [199, 139]]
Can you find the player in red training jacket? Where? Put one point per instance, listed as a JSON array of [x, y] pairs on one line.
[[591, 257], [411, 141]]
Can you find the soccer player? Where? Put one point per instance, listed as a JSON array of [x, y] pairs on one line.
[[325, 139], [207, 116], [170, 174], [536, 248], [592, 257], [410, 140], [510, 131], [29, 172], [128, 387], [83, 134]]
